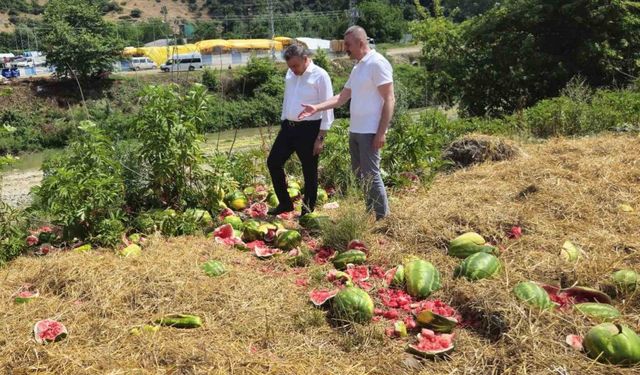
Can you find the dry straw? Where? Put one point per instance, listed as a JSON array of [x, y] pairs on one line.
[[258, 321]]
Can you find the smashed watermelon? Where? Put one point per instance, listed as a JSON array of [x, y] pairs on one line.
[[48, 330]]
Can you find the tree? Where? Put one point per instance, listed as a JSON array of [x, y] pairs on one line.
[[77, 39], [525, 50], [383, 22]]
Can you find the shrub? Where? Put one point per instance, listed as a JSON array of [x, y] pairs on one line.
[[83, 186]]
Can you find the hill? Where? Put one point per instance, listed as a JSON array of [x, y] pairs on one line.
[[258, 318]]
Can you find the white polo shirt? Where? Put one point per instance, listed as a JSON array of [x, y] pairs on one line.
[[371, 71], [312, 87]]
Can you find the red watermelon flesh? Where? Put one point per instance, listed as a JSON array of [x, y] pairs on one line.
[[320, 296], [49, 330]]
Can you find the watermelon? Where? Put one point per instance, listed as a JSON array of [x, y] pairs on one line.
[[570, 252], [293, 193], [313, 221], [533, 294], [48, 330], [613, 343], [234, 221], [431, 345], [580, 294], [299, 257], [323, 197], [262, 251], [395, 277], [251, 231], [355, 257], [236, 200], [146, 328], [201, 217], [352, 304], [478, 266], [399, 329], [469, 243], [575, 341], [272, 199], [625, 280], [599, 311], [320, 297], [132, 250], [437, 316], [421, 278], [26, 294], [214, 268], [288, 239], [82, 249], [180, 321]]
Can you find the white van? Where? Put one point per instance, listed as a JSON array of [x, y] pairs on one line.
[[188, 62], [142, 63]]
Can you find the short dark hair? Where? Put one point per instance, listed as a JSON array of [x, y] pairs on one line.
[[296, 50]]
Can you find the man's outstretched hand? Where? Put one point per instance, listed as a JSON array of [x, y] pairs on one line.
[[308, 110]]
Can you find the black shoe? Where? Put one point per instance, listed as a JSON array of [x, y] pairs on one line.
[[279, 210]]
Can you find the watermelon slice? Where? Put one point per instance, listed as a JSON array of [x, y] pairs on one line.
[[436, 315], [575, 341], [48, 330], [358, 245], [26, 294], [431, 345], [320, 297]]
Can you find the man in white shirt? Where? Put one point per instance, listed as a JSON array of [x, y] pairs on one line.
[[305, 82], [370, 88]]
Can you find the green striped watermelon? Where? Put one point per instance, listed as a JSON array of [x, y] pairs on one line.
[[421, 278], [533, 294], [626, 280], [236, 200], [395, 277], [469, 243], [235, 221], [288, 239], [180, 321], [599, 311], [478, 266], [349, 257], [214, 268], [613, 343], [353, 305]]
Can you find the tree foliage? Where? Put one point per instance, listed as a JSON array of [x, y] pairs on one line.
[[77, 39], [525, 50]]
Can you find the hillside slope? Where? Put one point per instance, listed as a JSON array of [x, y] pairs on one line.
[[258, 318]]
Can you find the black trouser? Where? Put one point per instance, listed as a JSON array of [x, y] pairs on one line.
[[299, 137]]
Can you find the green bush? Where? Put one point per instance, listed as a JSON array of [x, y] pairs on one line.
[[83, 186], [13, 233], [257, 72], [211, 79]]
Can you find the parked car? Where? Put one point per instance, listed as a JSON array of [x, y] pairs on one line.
[[190, 62], [142, 63]]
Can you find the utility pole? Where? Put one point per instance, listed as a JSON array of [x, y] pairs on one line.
[[273, 30], [353, 12]]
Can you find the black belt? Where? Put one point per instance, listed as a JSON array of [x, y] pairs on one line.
[[298, 123]]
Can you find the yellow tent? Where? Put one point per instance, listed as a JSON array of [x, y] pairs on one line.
[[130, 51], [265, 44], [286, 41], [208, 46], [160, 55]]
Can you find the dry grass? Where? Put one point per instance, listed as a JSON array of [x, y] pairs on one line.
[[257, 320]]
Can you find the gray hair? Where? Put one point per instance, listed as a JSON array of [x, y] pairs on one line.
[[357, 31], [296, 50]]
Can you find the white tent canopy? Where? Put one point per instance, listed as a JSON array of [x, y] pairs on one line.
[[315, 44]]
